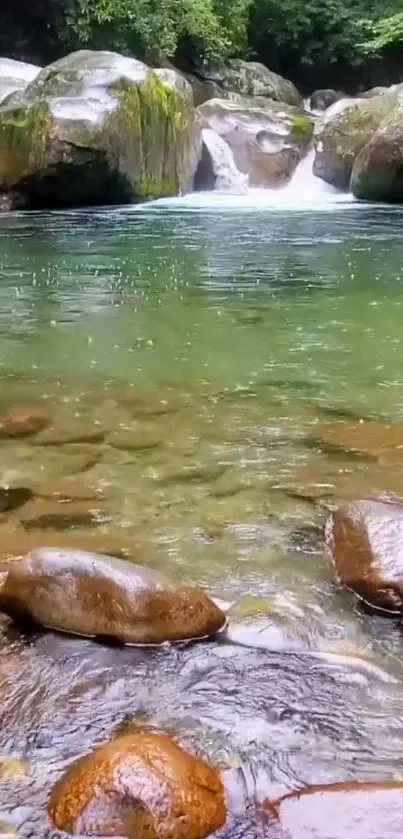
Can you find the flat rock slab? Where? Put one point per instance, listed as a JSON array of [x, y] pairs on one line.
[[365, 539], [339, 811]]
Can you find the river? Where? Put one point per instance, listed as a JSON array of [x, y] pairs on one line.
[[228, 327]]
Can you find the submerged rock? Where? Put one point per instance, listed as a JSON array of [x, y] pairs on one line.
[[94, 595], [250, 78], [336, 811], [371, 440], [11, 498], [267, 139], [98, 127], [22, 421], [378, 170], [15, 76], [344, 132], [141, 785], [365, 539]]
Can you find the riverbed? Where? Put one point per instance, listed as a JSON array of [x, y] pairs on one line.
[[216, 337]]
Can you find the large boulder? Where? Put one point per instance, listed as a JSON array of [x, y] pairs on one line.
[[14, 76], [336, 811], [365, 539], [94, 595], [143, 786], [98, 127], [344, 131], [267, 139], [250, 78], [378, 170], [321, 100]]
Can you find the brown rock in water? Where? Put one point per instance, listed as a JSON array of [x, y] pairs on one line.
[[142, 786], [95, 595], [136, 439], [13, 497], [366, 440], [62, 515], [76, 433], [350, 810], [366, 542], [22, 421]]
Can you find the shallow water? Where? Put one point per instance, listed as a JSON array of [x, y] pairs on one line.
[[225, 333]]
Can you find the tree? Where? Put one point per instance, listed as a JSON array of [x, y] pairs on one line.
[[215, 29]]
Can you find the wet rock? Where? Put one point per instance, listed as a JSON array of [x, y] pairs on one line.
[[15, 76], [377, 170], [136, 439], [229, 483], [75, 434], [139, 403], [93, 595], [344, 132], [22, 421], [250, 78], [76, 135], [323, 99], [367, 440], [184, 470], [365, 539], [11, 498], [267, 139], [141, 786], [68, 489], [73, 464], [62, 515], [337, 811]]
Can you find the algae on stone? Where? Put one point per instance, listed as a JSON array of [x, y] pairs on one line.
[[99, 127]]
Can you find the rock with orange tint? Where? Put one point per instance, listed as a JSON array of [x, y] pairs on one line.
[[367, 440], [93, 595], [142, 786], [22, 421], [365, 539], [350, 810]]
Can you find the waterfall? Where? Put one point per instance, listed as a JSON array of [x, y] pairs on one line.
[[304, 186], [226, 176]]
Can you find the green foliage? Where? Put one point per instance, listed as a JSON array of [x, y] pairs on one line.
[[383, 34], [215, 28], [312, 30]]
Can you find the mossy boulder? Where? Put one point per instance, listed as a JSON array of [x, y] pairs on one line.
[[99, 596], [15, 76], [98, 127], [250, 78], [141, 785], [378, 170], [344, 131], [267, 139]]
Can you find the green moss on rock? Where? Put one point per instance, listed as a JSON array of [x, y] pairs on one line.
[[132, 137]]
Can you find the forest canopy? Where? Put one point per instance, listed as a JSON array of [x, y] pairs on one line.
[[295, 37]]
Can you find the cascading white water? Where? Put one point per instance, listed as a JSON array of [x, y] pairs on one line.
[[228, 177], [305, 187], [304, 191]]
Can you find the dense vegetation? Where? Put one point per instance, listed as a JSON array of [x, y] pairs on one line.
[[326, 40]]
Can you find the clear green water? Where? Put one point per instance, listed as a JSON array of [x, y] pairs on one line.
[[228, 335]]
